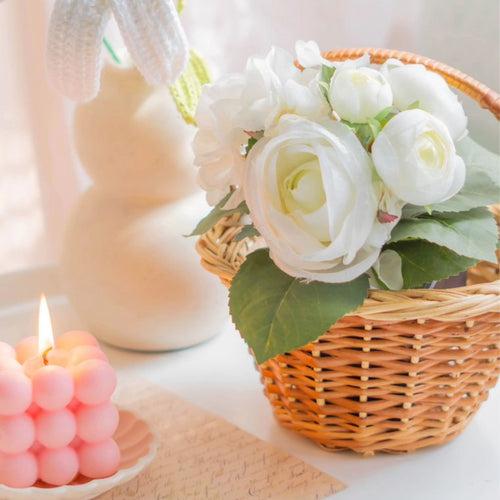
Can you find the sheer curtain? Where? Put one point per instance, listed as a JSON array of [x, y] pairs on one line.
[[39, 176]]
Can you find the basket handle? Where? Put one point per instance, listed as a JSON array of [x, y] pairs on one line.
[[485, 97]]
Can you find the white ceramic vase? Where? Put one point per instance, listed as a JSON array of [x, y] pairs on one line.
[[132, 276]]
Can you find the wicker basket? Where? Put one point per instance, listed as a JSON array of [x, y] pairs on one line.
[[408, 369]]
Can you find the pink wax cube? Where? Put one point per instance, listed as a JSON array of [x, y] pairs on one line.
[[56, 417]]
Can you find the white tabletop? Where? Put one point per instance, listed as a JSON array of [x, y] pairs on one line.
[[219, 375]]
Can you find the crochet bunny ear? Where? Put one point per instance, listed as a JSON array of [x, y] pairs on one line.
[[151, 30], [154, 37], [74, 46]]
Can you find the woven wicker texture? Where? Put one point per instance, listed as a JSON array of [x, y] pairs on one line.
[[408, 369]]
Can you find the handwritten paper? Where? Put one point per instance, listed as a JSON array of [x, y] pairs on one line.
[[201, 456]]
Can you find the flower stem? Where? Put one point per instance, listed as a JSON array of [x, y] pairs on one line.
[[111, 51]]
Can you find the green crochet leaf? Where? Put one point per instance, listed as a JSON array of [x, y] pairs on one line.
[[186, 90]]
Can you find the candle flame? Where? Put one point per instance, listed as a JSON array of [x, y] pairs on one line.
[[45, 334]]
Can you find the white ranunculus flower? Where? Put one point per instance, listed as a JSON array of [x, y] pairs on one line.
[[311, 195], [274, 86], [389, 271], [415, 83], [309, 56], [359, 94], [218, 142], [415, 156]]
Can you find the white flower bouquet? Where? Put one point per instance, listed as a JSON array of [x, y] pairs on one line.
[[353, 175]]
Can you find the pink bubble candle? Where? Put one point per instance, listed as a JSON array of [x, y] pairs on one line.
[[56, 417]]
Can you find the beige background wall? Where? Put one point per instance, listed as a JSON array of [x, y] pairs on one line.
[[39, 177]]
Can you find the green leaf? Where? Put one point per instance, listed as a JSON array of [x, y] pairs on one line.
[[324, 89], [424, 262], [479, 190], [479, 158], [217, 213], [186, 90], [324, 80], [276, 313], [365, 135], [364, 132], [326, 74], [375, 127], [470, 234], [250, 144], [482, 181], [247, 231], [367, 132], [414, 105], [385, 115]]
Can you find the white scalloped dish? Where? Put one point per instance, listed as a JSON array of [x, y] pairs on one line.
[[138, 447]]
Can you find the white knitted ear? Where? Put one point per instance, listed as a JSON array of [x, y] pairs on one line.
[[154, 37], [74, 46]]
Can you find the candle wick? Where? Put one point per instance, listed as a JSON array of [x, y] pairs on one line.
[[45, 354]]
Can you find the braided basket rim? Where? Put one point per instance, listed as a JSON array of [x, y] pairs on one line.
[[222, 255], [450, 304]]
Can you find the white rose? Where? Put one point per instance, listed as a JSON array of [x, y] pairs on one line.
[[231, 109], [218, 142], [415, 156], [413, 82], [359, 94], [311, 195], [274, 86]]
